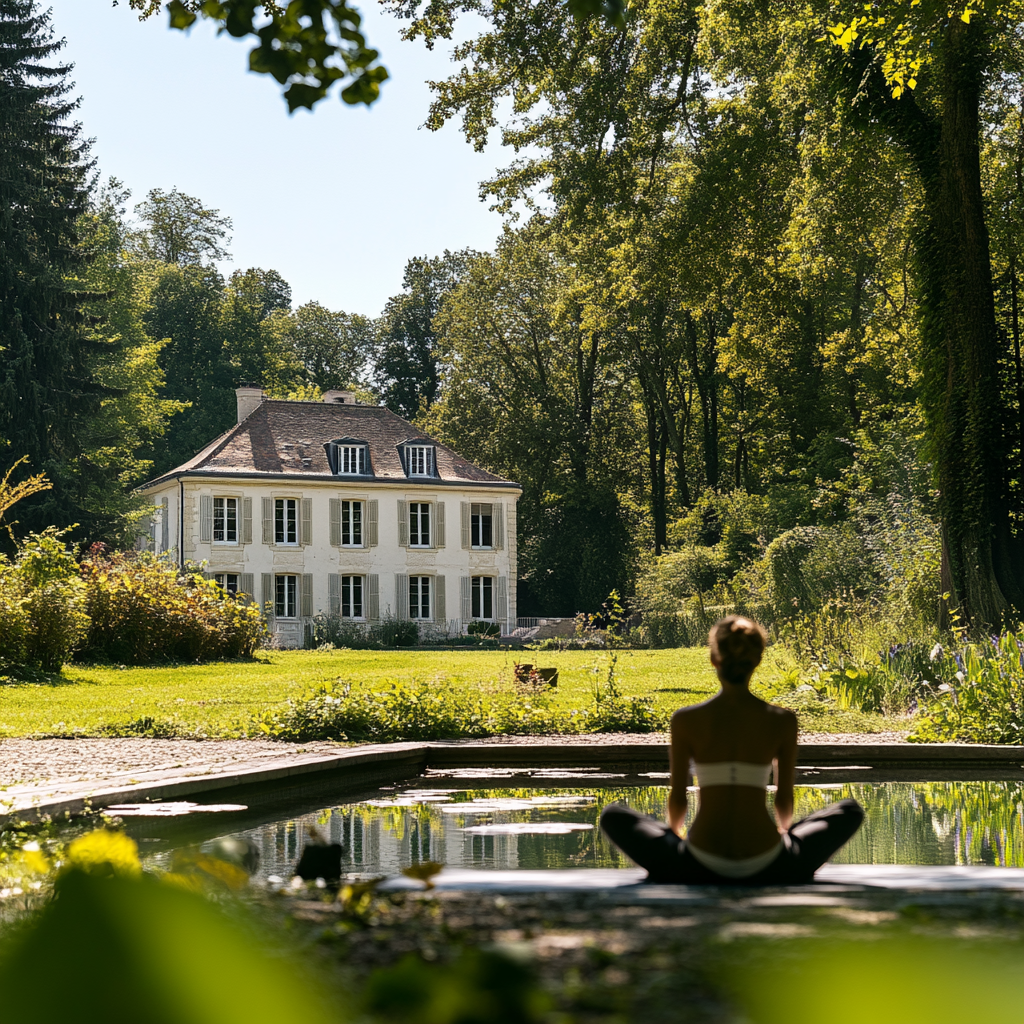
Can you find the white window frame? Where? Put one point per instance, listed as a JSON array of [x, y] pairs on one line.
[[292, 505], [350, 459], [354, 511], [349, 585], [418, 510], [421, 592], [225, 580], [286, 596], [482, 592], [227, 502], [477, 533], [419, 459]]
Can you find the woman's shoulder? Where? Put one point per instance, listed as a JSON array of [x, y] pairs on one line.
[[785, 718]]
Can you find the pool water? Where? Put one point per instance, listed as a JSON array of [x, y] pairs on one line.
[[461, 821]]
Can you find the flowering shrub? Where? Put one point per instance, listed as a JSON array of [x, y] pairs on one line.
[[979, 696], [144, 609]]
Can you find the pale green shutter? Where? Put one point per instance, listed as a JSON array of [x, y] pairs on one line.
[[267, 587], [307, 595], [403, 524], [439, 524], [498, 526], [205, 518], [465, 509], [440, 613], [268, 520], [371, 524], [401, 595], [334, 586], [501, 609], [373, 597], [336, 522], [247, 520], [165, 524], [307, 521], [466, 593], [245, 586]]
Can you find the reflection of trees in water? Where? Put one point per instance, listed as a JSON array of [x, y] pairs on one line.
[[906, 823]]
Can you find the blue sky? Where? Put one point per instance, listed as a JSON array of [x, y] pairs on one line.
[[336, 200]]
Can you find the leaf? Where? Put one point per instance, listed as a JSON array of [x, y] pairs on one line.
[[424, 872]]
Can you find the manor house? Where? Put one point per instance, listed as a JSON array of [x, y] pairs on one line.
[[356, 513]]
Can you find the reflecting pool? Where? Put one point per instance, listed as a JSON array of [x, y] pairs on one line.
[[490, 826]]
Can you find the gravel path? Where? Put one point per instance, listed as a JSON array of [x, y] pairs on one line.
[[27, 762]]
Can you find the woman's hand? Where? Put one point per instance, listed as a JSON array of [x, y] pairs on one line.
[[785, 774], [679, 756]]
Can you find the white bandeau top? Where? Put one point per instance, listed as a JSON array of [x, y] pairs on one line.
[[732, 773], [730, 868]]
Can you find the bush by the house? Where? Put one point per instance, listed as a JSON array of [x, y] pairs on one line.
[[43, 618], [334, 631], [143, 608]]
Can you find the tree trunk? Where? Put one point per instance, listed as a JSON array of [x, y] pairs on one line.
[[961, 341]]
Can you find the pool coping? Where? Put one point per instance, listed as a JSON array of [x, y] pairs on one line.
[[76, 798]]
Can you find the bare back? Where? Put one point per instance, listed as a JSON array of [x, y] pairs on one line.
[[733, 821]]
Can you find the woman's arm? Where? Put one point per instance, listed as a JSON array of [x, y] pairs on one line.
[[785, 773], [679, 766]]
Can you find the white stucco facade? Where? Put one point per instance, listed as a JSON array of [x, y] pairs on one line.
[[439, 551]]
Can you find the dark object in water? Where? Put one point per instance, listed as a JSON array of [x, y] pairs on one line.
[[320, 860]]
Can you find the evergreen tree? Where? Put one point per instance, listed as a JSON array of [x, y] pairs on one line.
[[45, 380]]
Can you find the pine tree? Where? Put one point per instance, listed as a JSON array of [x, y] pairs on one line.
[[45, 380]]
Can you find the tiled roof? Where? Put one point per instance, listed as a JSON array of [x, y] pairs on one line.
[[289, 438]]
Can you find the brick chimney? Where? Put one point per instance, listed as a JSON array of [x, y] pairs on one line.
[[339, 397], [250, 398]]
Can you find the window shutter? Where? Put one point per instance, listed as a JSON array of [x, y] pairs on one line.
[[207, 575], [440, 613], [307, 522], [401, 595], [466, 594], [268, 520], [439, 524], [247, 520], [165, 524], [501, 611], [336, 522], [373, 597], [432, 459], [403, 524], [465, 508], [267, 582], [334, 587], [205, 518], [370, 535], [307, 595], [245, 586], [498, 525]]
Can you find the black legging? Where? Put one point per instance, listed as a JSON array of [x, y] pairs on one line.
[[805, 846]]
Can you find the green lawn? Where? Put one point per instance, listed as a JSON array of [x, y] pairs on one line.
[[221, 698]]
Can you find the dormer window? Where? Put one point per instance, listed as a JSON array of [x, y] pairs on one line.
[[349, 457], [419, 460]]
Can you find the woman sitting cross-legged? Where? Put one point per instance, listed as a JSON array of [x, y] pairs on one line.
[[732, 742]]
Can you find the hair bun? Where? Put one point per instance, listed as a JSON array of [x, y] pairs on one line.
[[737, 644]]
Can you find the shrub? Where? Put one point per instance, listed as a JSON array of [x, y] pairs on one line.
[[335, 631], [979, 694], [483, 629], [144, 609]]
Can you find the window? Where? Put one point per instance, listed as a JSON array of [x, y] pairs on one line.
[[286, 521], [285, 596], [419, 460], [483, 597], [419, 597], [228, 580], [351, 597], [351, 458], [481, 526], [225, 520], [419, 524], [352, 524]]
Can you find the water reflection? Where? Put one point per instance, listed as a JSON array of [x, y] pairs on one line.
[[504, 828]]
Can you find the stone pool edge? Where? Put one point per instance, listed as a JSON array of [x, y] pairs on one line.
[[68, 800]]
